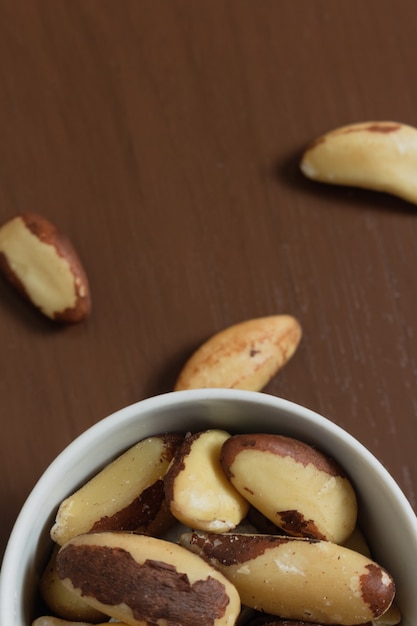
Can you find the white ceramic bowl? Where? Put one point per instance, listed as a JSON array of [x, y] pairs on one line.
[[385, 514]]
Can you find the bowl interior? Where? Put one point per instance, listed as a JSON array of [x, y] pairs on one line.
[[386, 517]]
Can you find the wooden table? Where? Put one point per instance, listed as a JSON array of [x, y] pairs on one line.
[[163, 137]]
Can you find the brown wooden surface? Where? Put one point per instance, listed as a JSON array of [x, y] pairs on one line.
[[163, 137]]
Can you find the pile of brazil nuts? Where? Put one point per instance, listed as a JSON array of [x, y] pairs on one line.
[[215, 529]]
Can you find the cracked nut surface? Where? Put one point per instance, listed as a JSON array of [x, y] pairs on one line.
[[243, 356], [127, 494], [135, 579], [298, 488], [197, 490], [45, 268], [374, 155], [299, 579]]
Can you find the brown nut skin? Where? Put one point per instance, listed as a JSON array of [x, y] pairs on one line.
[[43, 266], [392, 617], [246, 355], [299, 579], [136, 578], [196, 488], [298, 488], [127, 494], [262, 524], [64, 603]]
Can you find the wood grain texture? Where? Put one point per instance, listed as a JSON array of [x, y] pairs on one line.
[[164, 138]]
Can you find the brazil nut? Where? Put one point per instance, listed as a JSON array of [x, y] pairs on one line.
[[378, 155], [141, 579], [298, 488], [42, 264], [246, 355], [299, 579], [197, 490], [127, 494]]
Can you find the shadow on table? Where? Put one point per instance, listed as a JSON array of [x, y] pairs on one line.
[[14, 305], [166, 379]]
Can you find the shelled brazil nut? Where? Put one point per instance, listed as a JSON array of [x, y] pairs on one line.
[[197, 490], [246, 355], [297, 578], [140, 579], [43, 265], [311, 495], [377, 155], [307, 578], [127, 494]]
